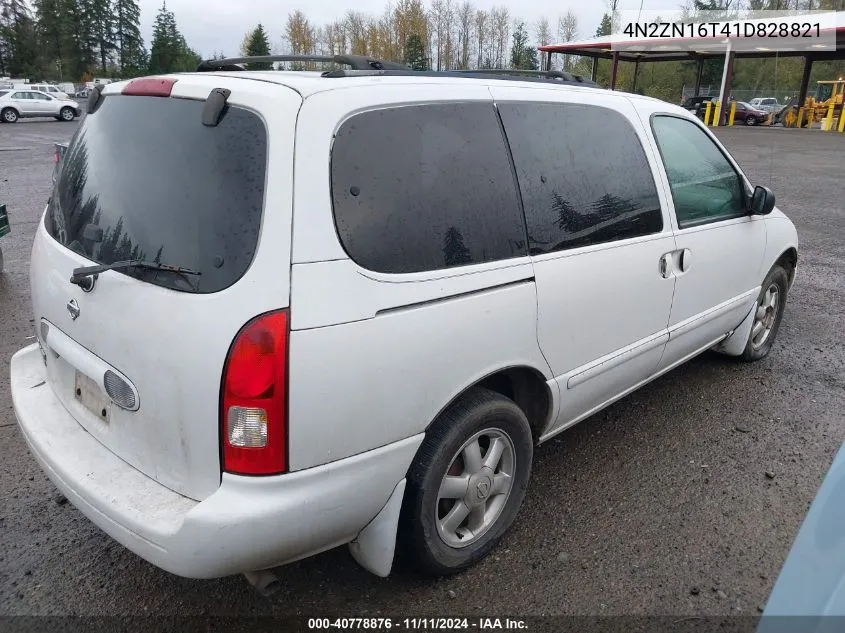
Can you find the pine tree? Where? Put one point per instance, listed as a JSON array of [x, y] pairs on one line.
[[18, 39], [129, 46], [79, 54], [98, 14], [169, 52], [415, 53], [523, 55], [605, 27], [257, 44]]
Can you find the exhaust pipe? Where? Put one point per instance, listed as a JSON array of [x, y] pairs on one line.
[[265, 582]]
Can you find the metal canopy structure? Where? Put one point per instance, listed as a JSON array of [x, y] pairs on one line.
[[699, 49]]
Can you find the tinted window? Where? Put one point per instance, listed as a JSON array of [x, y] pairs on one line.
[[21, 95], [176, 192], [583, 175], [705, 186], [425, 187], [41, 97], [3, 93]]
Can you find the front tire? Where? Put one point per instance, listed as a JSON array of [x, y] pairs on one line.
[[67, 114], [9, 116], [466, 483], [769, 313]]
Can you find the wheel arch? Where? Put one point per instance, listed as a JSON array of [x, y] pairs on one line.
[[789, 261], [525, 385]]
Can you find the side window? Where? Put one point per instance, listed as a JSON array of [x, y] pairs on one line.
[[705, 186], [40, 97], [425, 187], [583, 175], [20, 95]]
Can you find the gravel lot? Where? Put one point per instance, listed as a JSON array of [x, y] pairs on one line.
[[658, 505]]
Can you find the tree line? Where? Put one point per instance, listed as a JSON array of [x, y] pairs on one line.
[[440, 35], [73, 40]]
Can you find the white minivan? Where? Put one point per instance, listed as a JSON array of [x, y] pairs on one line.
[[278, 312]]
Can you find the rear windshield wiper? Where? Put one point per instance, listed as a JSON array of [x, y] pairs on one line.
[[84, 276]]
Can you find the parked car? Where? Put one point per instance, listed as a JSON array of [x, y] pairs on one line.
[[695, 104], [748, 114], [50, 89], [16, 104], [234, 371], [767, 104]]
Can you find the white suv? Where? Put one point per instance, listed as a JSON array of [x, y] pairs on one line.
[[18, 104], [278, 312]]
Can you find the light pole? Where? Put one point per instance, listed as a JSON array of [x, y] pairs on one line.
[[59, 66]]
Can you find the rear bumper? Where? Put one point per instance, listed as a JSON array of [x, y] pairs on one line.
[[248, 523]]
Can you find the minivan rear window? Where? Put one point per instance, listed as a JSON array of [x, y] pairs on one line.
[[144, 179]]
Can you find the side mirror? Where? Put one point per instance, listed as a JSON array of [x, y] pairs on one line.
[[762, 201]]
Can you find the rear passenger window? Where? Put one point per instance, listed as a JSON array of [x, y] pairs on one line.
[[425, 187], [583, 175]]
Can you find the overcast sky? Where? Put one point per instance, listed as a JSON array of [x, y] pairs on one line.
[[219, 25]]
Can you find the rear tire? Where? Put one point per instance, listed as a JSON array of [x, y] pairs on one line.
[[9, 116], [769, 313], [466, 483], [750, 120]]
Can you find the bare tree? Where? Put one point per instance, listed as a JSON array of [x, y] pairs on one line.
[[482, 26], [449, 34], [567, 30], [300, 37], [355, 27], [543, 31], [409, 18], [437, 27], [465, 13], [501, 21]]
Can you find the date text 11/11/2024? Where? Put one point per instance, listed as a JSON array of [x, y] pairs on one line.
[[417, 624]]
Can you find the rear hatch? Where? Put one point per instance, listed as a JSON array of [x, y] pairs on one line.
[[138, 359]]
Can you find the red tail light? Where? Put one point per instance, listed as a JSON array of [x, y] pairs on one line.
[[149, 87], [253, 416]]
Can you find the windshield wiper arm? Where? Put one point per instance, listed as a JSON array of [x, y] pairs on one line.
[[82, 276]]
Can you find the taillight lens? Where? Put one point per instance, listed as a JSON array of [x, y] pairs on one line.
[[253, 418]]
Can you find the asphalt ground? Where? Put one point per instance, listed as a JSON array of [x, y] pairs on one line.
[[658, 505]]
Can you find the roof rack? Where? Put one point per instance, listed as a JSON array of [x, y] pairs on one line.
[[355, 62], [363, 66], [550, 74], [542, 76]]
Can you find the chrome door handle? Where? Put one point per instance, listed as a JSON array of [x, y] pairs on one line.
[[663, 267], [686, 259]]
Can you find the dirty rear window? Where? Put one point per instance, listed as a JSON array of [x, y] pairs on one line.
[[144, 179]]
